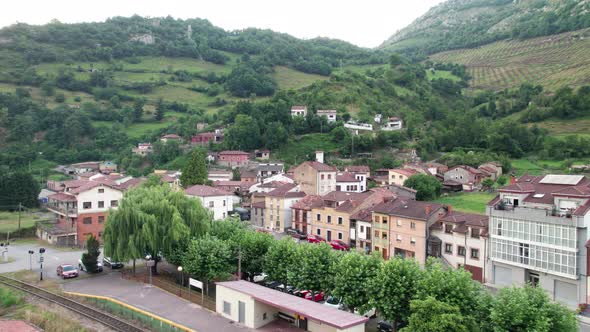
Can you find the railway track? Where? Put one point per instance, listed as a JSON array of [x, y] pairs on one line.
[[84, 310]]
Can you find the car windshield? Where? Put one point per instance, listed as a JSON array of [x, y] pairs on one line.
[[68, 268], [332, 300]]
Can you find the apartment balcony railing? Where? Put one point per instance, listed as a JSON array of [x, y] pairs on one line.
[[68, 212], [551, 215]]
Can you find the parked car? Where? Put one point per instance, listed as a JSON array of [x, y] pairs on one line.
[[272, 284], [67, 271], [82, 267], [242, 213], [260, 278], [384, 326], [296, 234], [371, 313], [334, 302], [315, 296], [301, 293], [315, 238], [107, 261], [339, 245]]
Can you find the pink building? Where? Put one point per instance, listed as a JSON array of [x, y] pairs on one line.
[[233, 158]]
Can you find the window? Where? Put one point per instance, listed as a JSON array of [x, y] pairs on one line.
[[384, 220], [448, 228], [264, 316], [99, 234], [226, 308], [114, 203], [318, 217], [87, 221], [224, 202], [101, 190], [363, 229], [475, 253], [399, 223], [100, 204], [319, 231], [376, 234], [461, 251], [211, 204], [339, 220], [413, 240], [329, 219], [322, 176], [223, 215], [377, 220], [475, 233], [87, 205], [448, 248], [339, 236], [384, 235], [100, 219], [329, 176], [412, 225], [399, 238]]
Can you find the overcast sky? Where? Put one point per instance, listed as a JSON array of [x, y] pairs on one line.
[[365, 23]]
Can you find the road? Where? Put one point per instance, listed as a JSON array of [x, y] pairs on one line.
[[19, 252], [584, 327]]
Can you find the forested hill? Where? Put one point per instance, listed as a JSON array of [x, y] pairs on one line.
[[121, 37], [469, 23]]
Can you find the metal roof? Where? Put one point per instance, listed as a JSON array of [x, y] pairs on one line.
[[310, 310], [561, 179]]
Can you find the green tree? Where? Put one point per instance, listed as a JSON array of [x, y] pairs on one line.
[[394, 287], [209, 258], [352, 273], [195, 171], [244, 134], [253, 247], [427, 187], [275, 135], [313, 267], [487, 183], [18, 188], [150, 220], [90, 258], [431, 315], [524, 309], [138, 110], [159, 114], [235, 174], [279, 259]]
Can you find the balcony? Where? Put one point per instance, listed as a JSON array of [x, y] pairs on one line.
[[547, 215], [67, 211]]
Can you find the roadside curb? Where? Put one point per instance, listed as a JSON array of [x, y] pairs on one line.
[[167, 321], [583, 319]]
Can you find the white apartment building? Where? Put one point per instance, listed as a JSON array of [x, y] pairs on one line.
[[393, 123], [538, 235], [329, 114], [461, 240], [298, 111], [219, 202]]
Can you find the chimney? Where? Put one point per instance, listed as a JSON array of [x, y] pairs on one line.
[[319, 156], [512, 179], [427, 209]]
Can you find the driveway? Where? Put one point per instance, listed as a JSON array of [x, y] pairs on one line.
[[18, 253]]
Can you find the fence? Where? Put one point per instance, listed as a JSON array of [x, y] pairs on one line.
[[125, 311]]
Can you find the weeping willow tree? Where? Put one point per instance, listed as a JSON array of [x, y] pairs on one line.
[[153, 220]]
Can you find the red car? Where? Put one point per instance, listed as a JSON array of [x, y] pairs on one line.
[[67, 271], [315, 239], [339, 245], [315, 296]]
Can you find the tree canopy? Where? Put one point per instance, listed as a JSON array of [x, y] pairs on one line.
[[195, 171], [427, 187]]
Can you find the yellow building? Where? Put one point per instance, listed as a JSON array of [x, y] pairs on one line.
[[277, 207]]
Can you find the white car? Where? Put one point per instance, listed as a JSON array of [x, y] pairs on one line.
[[81, 266], [260, 277], [334, 302]]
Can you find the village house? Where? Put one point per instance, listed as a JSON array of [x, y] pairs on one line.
[[219, 175], [401, 191], [302, 212], [239, 188], [270, 183], [248, 176], [380, 177], [378, 118], [233, 159], [492, 169], [172, 178], [470, 178], [398, 176], [81, 208], [298, 111], [356, 126], [278, 213], [461, 240], [400, 227], [218, 201], [269, 169], [84, 167], [330, 115], [107, 167], [204, 139], [436, 168], [314, 177], [362, 222], [171, 137], [346, 181], [262, 154], [143, 149], [257, 212], [361, 173], [393, 123], [538, 234]]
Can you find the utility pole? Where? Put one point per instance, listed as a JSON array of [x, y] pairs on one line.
[[20, 206]]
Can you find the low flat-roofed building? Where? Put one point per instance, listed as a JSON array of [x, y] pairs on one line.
[[255, 306]]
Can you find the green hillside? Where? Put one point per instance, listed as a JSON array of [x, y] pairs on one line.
[[552, 61], [458, 24]]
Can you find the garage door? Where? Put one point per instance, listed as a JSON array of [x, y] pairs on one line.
[[566, 293], [502, 276]]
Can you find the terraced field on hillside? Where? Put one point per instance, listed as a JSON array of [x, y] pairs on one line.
[[552, 61]]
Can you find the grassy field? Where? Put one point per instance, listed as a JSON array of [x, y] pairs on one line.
[[539, 167], [467, 202], [445, 74], [297, 150], [9, 221], [552, 61], [288, 78]]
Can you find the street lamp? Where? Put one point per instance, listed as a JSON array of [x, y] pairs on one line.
[[41, 251], [181, 281], [31, 252], [149, 265]]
